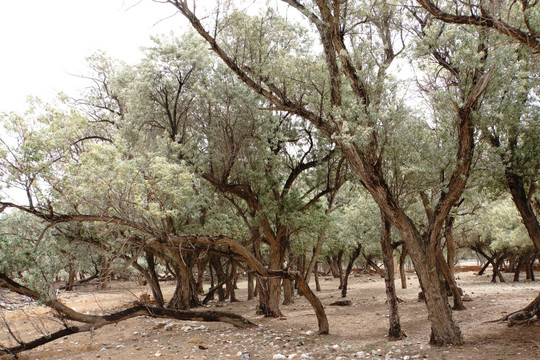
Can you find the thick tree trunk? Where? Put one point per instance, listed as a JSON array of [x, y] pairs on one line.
[[394, 331], [443, 328], [350, 265], [181, 298]]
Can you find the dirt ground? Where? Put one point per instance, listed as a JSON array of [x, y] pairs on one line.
[[356, 332]]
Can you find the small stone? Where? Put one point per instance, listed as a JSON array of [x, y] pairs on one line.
[[279, 356], [335, 346], [309, 332], [292, 356], [360, 353]]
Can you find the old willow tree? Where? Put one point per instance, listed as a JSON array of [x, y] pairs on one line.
[[344, 86]]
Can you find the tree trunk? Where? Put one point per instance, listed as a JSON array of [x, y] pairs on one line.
[[394, 331], [251, 286], [450, 245], [530, 267], [496, 271], [317, 283], [402, 273], [153, 280], [71, 277], [450, 281], [287, 292], [315, 256], [350, 265], [516, 185], [339, 266], [518, 269], [332, 265], [181, 299], [322, 320], [202, 264], [231, 283], [215, 262], [370, 262]]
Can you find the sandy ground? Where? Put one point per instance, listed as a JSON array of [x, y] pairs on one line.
[[356, 332]]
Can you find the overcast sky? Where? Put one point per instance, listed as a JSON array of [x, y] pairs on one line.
[[44, 42]]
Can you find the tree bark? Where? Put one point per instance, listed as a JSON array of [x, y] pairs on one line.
[[350, 265], [402, 274], [317, 283], [153, 279], [450, 281], [251, 286], [394, 331], [315, 256]]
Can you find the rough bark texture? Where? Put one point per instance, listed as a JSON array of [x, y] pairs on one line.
[[450, 281], [394, 331]]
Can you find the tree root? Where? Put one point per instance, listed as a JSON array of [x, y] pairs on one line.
[[138, 310], [526, 316]]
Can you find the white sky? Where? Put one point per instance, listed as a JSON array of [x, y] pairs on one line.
[[44, 42]]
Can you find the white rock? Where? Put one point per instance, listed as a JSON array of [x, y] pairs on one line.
[[309, 333], [335, 346], [279, 356], [360, 353], [292, 356]]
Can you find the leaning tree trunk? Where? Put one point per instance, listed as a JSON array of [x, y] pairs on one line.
[[153, 280], [497, 271], [450, 281], [315, 256], [394, 331], [350, 265]]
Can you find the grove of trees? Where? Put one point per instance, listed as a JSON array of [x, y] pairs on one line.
[[272, 138]]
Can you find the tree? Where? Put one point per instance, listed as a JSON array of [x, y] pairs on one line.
[[353, 116]]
